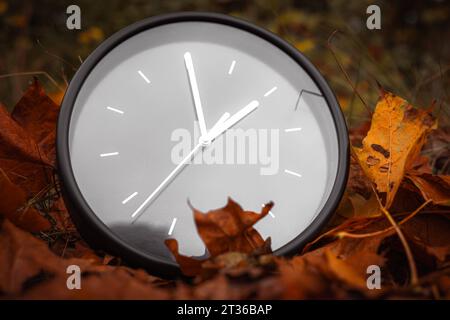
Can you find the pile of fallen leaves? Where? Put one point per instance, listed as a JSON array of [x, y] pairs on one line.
[[394, 214]]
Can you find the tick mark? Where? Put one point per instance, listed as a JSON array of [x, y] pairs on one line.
[[270, 212], [230, 71], [109, 154], [143, 76], [172, 226], [292, 129], [268, 93], [293, 173], [115, 110], [131, 196]]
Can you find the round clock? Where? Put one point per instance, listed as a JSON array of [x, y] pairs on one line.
[[190, 109]]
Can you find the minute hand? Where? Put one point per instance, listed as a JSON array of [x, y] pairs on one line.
[[195, 93], [238, 116]]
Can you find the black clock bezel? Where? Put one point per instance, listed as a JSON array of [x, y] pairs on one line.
[[95, 232]]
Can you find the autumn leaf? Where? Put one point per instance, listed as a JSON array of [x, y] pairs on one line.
[[228, 229], [37, 114], [14, 206], [27, 141], [434, 188], [430, 237], [30, 270], [396, 136], [188, 265], [315, 274], [16, 144]]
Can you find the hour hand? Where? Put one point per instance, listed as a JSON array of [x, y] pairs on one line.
[[231, 121], [195, 93]]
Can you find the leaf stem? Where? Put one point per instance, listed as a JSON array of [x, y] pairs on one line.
[[376, 233], [409, 256]]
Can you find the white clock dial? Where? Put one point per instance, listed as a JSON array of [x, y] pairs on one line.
[[200, 111]]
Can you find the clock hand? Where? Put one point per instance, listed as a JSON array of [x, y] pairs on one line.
[[238, 116], [195, 93], [167, 179], [184, 162]]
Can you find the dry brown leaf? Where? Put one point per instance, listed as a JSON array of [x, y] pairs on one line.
[[14, 206], [359, 207], [189, 266], [228, 229], [37, 114], [29, 270], [27, 153], [350, 259], [315, 274], [15, 143], [431, 233], [396, 136], [434, 188]]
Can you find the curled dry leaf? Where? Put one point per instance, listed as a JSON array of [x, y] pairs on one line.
[[396, 136], [434, 188], [229, 229]]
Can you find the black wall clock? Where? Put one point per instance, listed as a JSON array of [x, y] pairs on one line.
[[198, 107]]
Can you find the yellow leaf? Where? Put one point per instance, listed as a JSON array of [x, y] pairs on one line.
[[3, 6], [396, 136], [305, 45], [93, 34]]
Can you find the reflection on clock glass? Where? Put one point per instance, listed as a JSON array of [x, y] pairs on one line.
[[196, 112]]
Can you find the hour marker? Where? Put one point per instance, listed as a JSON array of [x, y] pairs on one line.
[[143, 76], [115, 110], [268, 93], [270, 212], [131, 196], [293, 173], [292, 129], [109, 154], [230, 71], [172, 226]]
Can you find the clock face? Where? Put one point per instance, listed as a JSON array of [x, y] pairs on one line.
[[197, 110]]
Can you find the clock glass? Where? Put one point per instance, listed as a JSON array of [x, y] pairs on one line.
[[190, 109]]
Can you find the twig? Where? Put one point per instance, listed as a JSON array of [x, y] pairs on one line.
[[55, 56], [344, 72], [32, 73], [435, 76], [346, 224], [377, 233], [409, 256]]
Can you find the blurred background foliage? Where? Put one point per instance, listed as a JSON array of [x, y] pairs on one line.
[[410, 55]]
